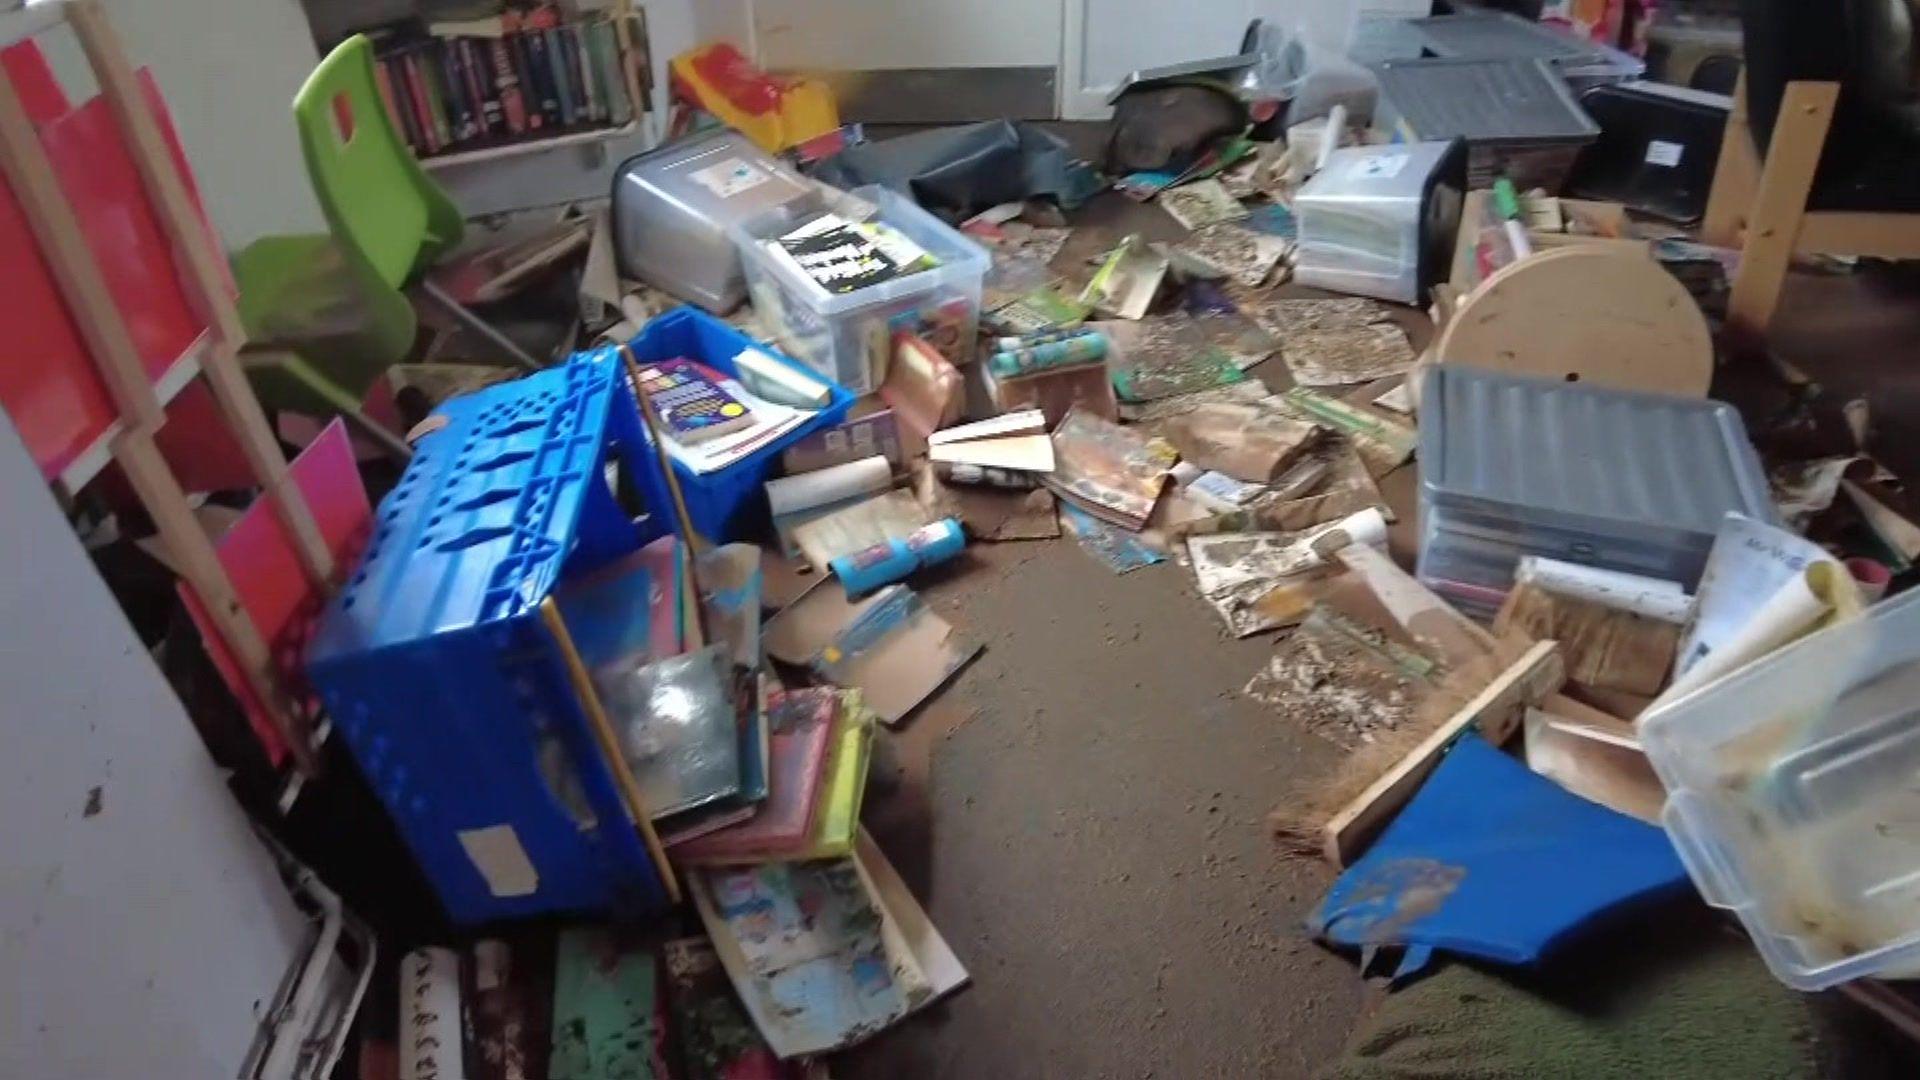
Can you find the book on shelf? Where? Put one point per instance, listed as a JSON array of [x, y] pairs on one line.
[[524, 75]]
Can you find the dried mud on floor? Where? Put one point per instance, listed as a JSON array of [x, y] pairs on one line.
[[1093, 841]]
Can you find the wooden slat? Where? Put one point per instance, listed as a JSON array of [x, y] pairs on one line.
[[192, 555], [1885, 236], [1735, 178], [206, 284], [57, 231], [609, 743], [1773, 228], [1497, 710]]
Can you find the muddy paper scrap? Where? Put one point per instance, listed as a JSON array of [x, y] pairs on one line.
[[1342, 681], [1233, 251], [1119, 550], [897, 652], [1247, 442], [1202, 203], [892, 516], [1234, 571], [1345, 357]]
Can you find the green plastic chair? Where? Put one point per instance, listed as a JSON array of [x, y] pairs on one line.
[[327, 314]]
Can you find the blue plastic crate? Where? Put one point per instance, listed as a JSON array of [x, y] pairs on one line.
[[448, 687], [731, 503]]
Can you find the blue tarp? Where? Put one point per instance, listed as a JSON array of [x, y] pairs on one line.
[[1493, 861]]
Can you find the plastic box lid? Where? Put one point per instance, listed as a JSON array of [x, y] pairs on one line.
[[960, 257], [1498, 101], [1791, 797], [1618, 465], [1491, 34]]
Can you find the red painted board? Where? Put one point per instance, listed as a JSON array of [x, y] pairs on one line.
[[260, 559], [48, 383]]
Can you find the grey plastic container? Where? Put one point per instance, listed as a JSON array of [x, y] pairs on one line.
[[1636, 482], [1518, 116], [673, 207], [1380, 220]]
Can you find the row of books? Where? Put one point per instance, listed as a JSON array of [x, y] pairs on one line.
[[450, 94]]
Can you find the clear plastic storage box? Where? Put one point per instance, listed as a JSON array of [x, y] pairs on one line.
[[673, 205], [848, 337], [1793, 797], [1513, 466]]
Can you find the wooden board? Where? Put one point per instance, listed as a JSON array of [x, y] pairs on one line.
[[1496, 710], [1580, 313]]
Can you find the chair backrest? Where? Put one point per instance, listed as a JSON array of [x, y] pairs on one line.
[[381, 206]]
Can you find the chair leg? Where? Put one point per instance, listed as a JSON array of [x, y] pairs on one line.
[[478, 325], [1735, 177], [1773, 225]]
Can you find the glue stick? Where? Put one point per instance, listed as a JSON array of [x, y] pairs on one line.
[[883, 564]]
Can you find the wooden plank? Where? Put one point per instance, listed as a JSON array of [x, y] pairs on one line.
[[1735, 177], [1773, 229], [1440, 629], [609, 743], [192, 555], [1833, 232], [206, 282], [696, 628], [57, 231], [623, 15], [1496, 710]]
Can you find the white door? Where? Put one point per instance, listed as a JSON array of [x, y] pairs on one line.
[[1103, 40]]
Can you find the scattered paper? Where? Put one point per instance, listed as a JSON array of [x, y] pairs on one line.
[[1202, 203], [1341, 680], [1399, 399], [1121, 551], [1245, 255], [1109, 471], [893, 516], [1756, 594], [896, 652], [806, 947]]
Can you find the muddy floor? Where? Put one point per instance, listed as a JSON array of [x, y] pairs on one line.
[[1089, 837]]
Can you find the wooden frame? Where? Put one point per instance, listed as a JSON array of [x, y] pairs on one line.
[[1760, 206], [104, 328]]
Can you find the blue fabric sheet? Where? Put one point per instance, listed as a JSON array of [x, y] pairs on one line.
[[1493, 861]]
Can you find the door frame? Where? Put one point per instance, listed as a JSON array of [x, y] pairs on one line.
[[1076, 102]]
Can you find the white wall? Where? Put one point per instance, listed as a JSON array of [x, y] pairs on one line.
[[229, 70], [140, 927]]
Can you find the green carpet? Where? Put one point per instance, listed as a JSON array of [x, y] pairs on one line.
[[1693, 1002]]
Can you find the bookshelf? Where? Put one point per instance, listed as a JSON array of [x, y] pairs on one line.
[[535, 75]]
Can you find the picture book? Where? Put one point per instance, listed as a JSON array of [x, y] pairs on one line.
[[845, 256], [1109, 471], [692, 401]]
